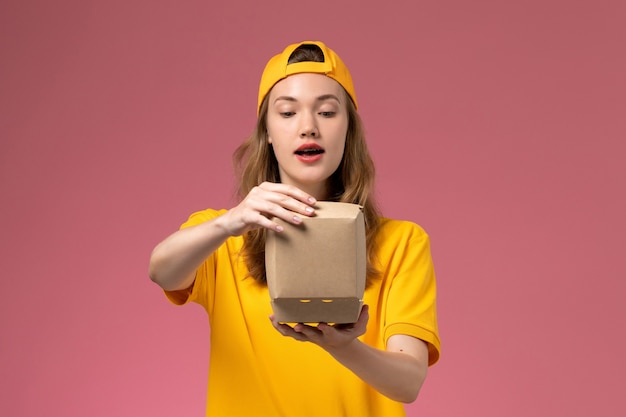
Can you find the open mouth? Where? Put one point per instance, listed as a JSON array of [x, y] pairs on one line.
[[309, 150]]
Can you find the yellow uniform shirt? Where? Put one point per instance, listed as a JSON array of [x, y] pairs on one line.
[[255, 371]]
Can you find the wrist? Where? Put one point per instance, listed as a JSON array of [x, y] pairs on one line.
[[345, 350], [222, 224]]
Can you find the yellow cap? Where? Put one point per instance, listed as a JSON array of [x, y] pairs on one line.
[[278, 68]]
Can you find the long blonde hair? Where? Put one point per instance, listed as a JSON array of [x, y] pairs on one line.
[[352, 182]]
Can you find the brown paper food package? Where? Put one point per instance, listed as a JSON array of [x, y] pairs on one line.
[[316, 271]]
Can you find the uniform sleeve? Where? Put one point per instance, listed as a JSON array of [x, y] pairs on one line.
[[201, 290], [411, 299]]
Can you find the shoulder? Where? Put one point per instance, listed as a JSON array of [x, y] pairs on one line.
[[392, 229], [202, 216], [398, 238]]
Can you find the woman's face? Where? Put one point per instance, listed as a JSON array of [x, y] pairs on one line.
[[307, 122]]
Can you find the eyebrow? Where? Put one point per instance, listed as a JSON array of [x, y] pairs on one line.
[[323, 97]]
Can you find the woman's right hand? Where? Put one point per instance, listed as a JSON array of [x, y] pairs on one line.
[[266, 201], [174, 261]]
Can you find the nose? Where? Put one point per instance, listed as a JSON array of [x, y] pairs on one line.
[[308, 127], [308, 133]]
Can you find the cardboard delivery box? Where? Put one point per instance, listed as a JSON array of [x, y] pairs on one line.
[[316, 270]]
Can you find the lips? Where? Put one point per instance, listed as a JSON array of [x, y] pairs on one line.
[[309, 153], [309, 149]]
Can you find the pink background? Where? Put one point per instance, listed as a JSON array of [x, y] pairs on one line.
[[499, 126]]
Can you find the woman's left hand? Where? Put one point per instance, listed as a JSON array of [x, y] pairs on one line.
[[325, 335]]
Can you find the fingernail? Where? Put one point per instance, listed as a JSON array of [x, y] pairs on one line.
[[297, 219], [309, 209], [312, 200], [279, 228]]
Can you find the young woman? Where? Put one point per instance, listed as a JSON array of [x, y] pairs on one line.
[[308, 146]]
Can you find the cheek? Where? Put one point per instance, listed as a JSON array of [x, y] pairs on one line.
[[340, 140], [275, 133], [271, 131], [338, 150]]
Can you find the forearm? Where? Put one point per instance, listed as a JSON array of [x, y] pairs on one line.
[[397, 375], [397, 372], [173, 262]]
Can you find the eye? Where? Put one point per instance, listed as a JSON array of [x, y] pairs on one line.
[[287, 113], [327, 113]]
